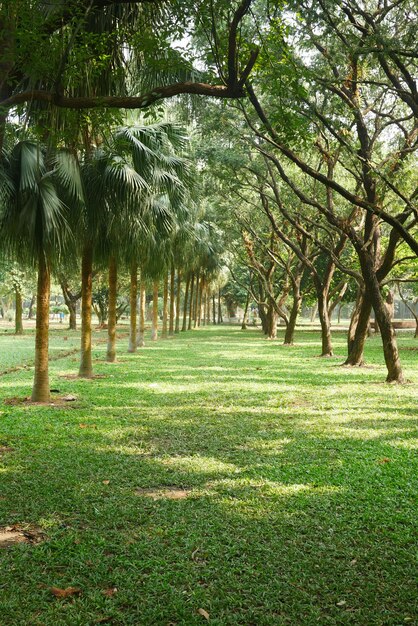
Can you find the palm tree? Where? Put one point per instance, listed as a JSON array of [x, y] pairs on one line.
[[33, 227]]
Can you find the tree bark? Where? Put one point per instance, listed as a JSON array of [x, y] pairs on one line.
[[199, 304], [186, 298], [40, 389], [133, 298], [358, 330], [18, 313], [164, 333], [177, 325], [325, 325], [196, 299], [142, 304], [172, 300], [294, 312], [86, 366], [271, 321], [189, 325], [154, 331], [220, 319], [111, 322], [30, 312], [390, 348], [244, 319], [213, 309]]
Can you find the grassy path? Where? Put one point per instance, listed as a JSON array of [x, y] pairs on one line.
[[216, 471]]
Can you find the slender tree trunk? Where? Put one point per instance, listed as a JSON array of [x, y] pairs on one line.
[[199, 304], [205, 305], [142, 304], [172, 300], [390, 348], [177, 325], [164, 333], [72, 323], [271, 319], [220, 319], [154, 331], [189, 325], [40, 389], [18, 313], [358, 330], [196, 299], [133, 298], [30, 312], [111, 322], [244, 319], [294, 312], [185, 307], [86, 366], [208, 299], [213, 309], [314, 311], [325, 324]]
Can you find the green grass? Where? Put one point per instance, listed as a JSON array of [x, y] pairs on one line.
[[301, 477]]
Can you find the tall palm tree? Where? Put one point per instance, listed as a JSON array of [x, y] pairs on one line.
[[34, 228]]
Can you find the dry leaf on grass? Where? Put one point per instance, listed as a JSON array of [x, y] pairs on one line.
[[65, 593], [203, 613], [110, 592], [105, 482]]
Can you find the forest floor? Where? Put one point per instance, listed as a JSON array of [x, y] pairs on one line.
[[215, 476]]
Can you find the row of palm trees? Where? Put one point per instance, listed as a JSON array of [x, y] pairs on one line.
[[123, 202]]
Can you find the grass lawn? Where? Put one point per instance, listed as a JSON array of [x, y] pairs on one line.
[[217, 472]]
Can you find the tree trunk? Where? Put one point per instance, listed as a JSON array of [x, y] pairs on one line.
[[220, 319], [290, 329], [314, 311], [18, 313], [133, 298], [172, 300], [154, 331], [214, 309], [72, 324], [142, 304], [390, 348], [325, 325], [358, 330], [186, 298], [244, 319], [189, 325], [177, 325], [111, 322], [40, 389], [86, 366], [30, 312], [196, 299], [271, 320], [199, 304], [164, 333]]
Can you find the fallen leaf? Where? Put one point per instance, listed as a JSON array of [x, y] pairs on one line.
[[384, 460], [69, 398], [65, 593], [341, 603], [83, 425], [353, 562], [105, 482], [203, 613], [110, 592]]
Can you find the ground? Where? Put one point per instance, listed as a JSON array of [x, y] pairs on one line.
[[213, 476]]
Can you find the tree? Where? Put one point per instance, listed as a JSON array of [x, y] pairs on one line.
[[34, 230]]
